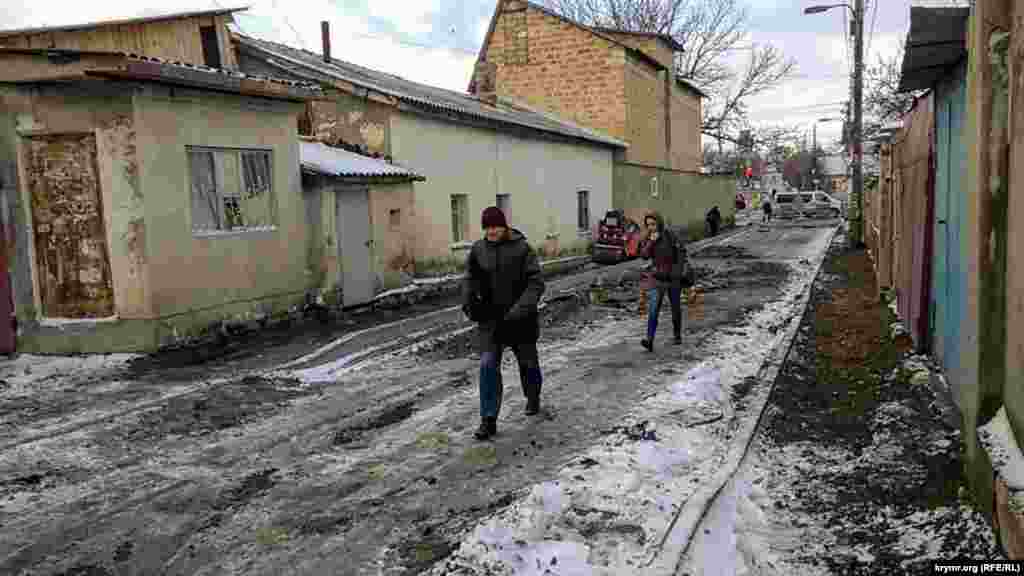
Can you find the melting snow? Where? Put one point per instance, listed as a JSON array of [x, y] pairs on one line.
[[26, 371], [1001, 444]]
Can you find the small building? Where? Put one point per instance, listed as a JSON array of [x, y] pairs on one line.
[[148, 201], [360, 211], [552, 177], [835, 176]]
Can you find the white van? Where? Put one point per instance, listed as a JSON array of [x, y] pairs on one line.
[[823, 206], [808, 203], [791, 204]]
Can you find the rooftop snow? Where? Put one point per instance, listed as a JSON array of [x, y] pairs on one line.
[[323, 159]]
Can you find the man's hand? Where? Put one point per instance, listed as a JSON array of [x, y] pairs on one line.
[[654, 236]]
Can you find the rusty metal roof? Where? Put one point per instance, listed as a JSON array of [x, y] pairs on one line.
[[120, 21], [936, 42], [319, 158], [147, 68], [420, 96]]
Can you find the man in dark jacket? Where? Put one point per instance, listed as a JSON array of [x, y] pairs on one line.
[[714, 219], [502, 288], [669, 255]]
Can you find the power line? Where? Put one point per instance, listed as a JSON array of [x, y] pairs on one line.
[[416, 44], [289, 23]]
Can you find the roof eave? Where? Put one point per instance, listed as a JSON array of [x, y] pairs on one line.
[[121, 21], [159, 73]]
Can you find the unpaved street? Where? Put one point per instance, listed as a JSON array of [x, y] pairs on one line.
[[359, 458]]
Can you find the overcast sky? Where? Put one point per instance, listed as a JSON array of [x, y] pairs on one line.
[[436, 41]]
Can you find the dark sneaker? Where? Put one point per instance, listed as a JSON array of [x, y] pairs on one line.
[[488, 428], [532, 405], [677, 341], [647, 344]]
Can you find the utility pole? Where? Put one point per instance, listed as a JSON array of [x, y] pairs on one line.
[[856, 213], [857, 218]]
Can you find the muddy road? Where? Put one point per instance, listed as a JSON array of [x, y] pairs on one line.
[[358, 459]]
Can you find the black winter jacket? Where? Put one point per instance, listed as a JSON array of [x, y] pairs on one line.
[[503, 286]]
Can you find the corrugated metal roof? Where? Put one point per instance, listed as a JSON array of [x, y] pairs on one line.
[[119, 21], [420, 95], [937, 40], [320, 158], [126, 65]]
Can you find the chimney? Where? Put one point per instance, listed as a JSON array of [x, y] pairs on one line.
[[485, 81], [325, 31]]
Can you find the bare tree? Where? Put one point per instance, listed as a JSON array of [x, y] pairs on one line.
[[709, 31]]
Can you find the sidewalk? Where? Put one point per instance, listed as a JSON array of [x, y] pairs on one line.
[[857, 467]]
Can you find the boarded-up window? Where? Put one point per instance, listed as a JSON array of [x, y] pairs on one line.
[[583, 210], [231, 190], [460, 218], [72, 263]]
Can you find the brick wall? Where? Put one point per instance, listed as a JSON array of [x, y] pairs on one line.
[[566, 70], [654, 47], [645, 101], [555, 65], [686, 152]]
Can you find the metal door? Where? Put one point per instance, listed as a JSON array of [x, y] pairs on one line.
[[353, 218]]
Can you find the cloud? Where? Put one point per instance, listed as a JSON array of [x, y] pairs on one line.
[[413, 18]]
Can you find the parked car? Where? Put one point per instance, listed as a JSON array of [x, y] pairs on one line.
[[618, 238]]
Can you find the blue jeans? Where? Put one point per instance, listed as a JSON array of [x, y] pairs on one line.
[[654, 298], [491, 386]]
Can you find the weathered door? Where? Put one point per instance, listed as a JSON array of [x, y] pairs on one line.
[[354, 244], [949, 277], [72, 262]]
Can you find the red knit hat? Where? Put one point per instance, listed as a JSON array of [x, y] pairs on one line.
[[493, 216]]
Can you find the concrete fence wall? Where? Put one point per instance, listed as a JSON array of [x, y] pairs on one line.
[[682, 198]]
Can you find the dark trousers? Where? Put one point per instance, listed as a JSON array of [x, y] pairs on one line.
[[654, 298], [491, 386]]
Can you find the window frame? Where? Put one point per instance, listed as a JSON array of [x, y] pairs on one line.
[[246, 189], [459, 217], [583, 211]]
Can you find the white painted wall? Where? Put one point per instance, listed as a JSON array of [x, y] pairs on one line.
[[541, 176]]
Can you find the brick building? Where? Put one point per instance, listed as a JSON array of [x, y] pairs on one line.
[[616, 82], [621, 83]]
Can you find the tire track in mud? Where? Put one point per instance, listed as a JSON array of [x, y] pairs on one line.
[[387, 346], [124, 479]]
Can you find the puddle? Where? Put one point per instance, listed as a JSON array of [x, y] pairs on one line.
[[388, 417]]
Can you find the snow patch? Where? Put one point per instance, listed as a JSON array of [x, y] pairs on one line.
[[26, 370], [1001, 444]]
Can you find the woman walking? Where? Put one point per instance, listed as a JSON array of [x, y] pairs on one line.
[[664, 278]]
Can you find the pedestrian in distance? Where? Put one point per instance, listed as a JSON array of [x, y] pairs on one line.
[[666, 276], [767, 207], [714, 220], [501, 290]]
